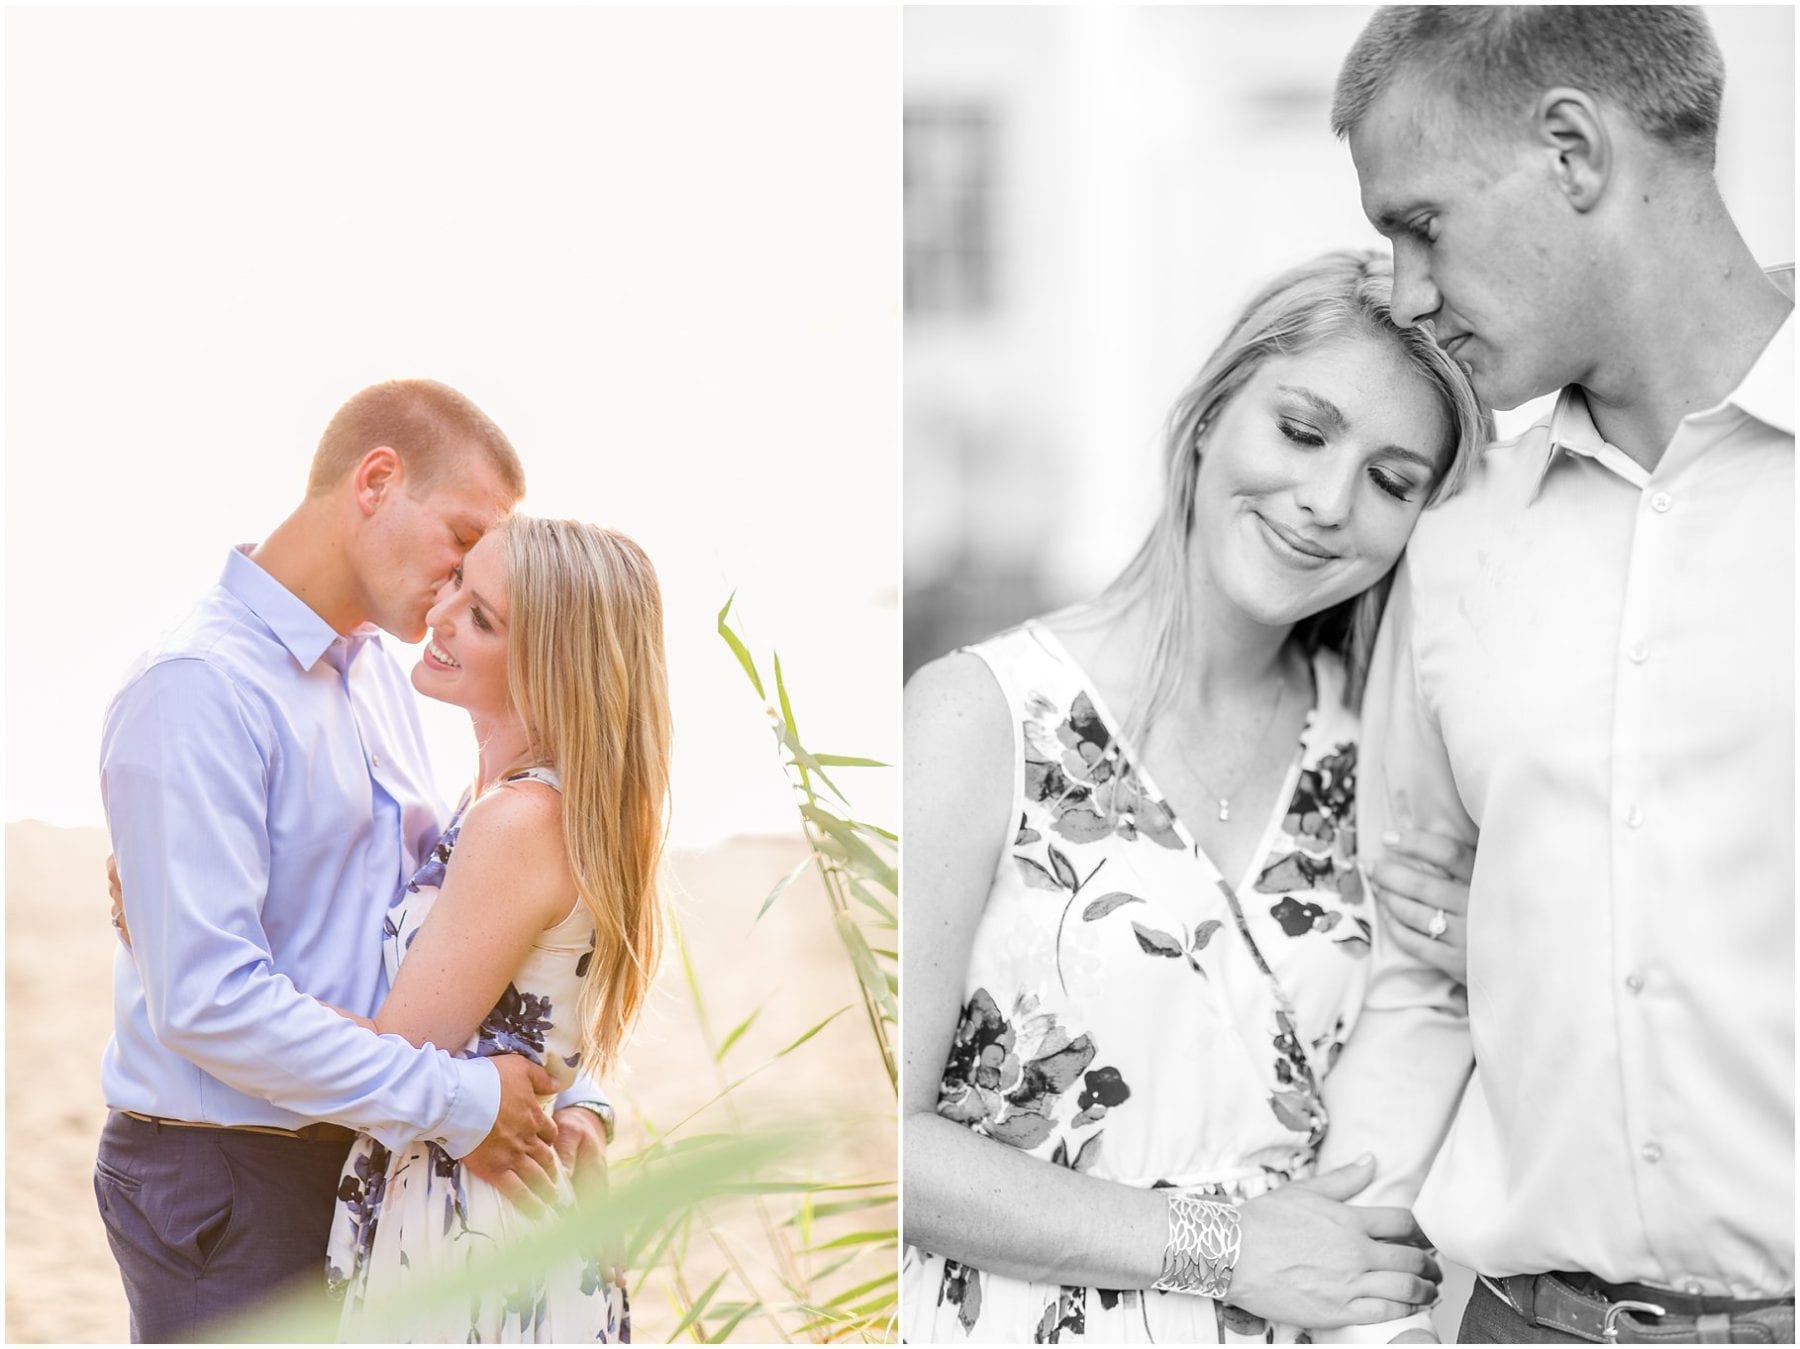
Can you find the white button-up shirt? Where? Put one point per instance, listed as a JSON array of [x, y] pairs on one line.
[[1588, 669]]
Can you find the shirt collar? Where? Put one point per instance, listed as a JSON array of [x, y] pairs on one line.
[[295, 624], [1765, 393]]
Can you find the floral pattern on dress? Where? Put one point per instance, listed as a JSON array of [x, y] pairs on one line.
[[1124, 1016], [417, 1214]]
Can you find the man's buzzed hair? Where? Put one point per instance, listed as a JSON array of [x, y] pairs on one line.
[[1659, 63], [428, 424]]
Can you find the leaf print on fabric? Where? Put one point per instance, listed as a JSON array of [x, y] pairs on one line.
[[1297, 871], [1026, 834], [431, 873], [1296, 1102], [1103, 1089], [1036, 874], [1203, 934], [1156, 943], [1067, 1312], [1324, 803], [1099, 908], [961, 1288]]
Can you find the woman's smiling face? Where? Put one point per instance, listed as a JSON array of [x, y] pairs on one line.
[[464, 661], [1312, 477]]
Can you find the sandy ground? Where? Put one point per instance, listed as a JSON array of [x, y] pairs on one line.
[[61, 1283]]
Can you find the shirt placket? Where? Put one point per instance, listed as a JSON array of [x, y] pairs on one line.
[[1640, 984], [387, 853]]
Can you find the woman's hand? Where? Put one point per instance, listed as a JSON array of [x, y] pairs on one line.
[[1420, 876], [1308, 1258]]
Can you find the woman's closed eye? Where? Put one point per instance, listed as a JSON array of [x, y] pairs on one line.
[[1399, 488], [1300, 434]]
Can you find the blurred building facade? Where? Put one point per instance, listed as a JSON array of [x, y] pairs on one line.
[[1091, 194]]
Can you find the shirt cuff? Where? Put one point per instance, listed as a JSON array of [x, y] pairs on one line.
[[1377, 1332], [477, 1105]]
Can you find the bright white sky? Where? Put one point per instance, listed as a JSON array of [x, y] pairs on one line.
[[659, 247]]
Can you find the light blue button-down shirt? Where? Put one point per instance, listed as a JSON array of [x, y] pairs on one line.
[[268, 792]]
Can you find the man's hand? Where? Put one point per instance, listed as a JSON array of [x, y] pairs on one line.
[[118, 900], [518, 1157]]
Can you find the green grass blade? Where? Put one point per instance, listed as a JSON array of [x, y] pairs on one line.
[[738, 649]]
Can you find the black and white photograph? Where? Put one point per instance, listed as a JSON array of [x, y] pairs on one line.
[[1348, 782]]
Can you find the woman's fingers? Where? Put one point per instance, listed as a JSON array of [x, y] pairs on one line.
[[1401, 1259], [1416, 915], [1390, 1225], [1452, 856], [1398, 876], [1447, 955], [1392, 1286], [1364, 1311]]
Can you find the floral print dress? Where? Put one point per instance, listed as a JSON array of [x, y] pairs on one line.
[[1133, 1014], [413, 1215]]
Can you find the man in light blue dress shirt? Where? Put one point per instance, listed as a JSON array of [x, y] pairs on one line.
[[268, 792]]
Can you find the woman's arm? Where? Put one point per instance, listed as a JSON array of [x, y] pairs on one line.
[[508, 881], [1306, 1258]]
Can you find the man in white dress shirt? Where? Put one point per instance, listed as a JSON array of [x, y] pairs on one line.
[[1587, 671]]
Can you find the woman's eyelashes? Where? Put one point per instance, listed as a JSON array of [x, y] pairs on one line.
[[1300, 434], [479, 621], [1399, 488]]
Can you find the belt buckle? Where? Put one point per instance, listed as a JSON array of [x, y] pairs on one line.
[[1609, 1327]]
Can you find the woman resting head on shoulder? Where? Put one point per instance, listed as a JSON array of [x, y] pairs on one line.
[[1136, 936], [534, 928]]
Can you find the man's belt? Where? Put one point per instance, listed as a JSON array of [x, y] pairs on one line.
[[1601, 1313], [311, 1133]]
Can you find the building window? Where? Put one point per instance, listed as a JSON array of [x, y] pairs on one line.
[[949, 187]]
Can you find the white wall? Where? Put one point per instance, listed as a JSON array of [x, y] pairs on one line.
[[628, 234]]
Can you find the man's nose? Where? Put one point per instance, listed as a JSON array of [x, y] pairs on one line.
[[1416, 299]]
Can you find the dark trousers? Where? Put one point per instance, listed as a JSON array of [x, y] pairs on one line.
[[208, 1222], [1488, 1320]]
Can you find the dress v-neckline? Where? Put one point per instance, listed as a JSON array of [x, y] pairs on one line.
[[1290, 779]]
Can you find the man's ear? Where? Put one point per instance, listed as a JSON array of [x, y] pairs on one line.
[[1568, 123], [379, 475]]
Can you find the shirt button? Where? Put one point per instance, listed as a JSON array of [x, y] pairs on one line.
[[1652, 1153], [1694, 1288], [1634, 817], [375, 761], [1634, 983], [1639, 654], [1661, 502]]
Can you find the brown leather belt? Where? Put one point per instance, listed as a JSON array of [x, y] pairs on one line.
[[311, 1133], [1600, 1313]]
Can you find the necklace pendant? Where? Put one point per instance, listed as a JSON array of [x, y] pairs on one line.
[[1224, 809]]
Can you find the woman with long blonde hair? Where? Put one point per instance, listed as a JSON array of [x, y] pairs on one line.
[[535, 926], [1135, 932]]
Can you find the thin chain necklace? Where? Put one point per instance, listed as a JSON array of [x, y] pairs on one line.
[[1224, 798]]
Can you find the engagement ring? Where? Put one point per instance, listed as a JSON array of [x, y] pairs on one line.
[[1439, 922]]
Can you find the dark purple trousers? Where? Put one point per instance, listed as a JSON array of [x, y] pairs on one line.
[[209, 1222]]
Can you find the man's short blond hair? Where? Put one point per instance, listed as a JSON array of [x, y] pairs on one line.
[[429, 425], [1660, 63]]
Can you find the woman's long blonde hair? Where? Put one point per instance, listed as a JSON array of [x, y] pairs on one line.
[[587, 672], [1334, 295]]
